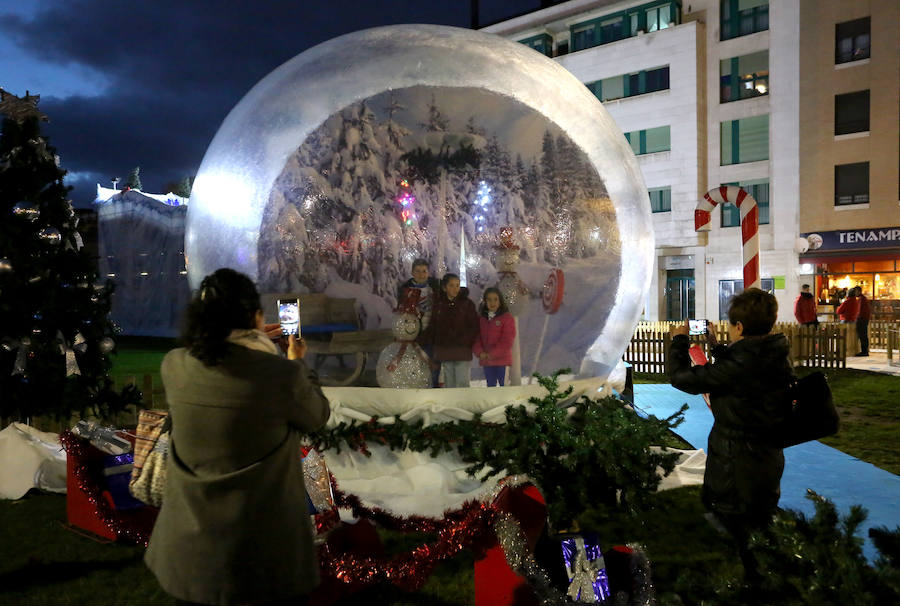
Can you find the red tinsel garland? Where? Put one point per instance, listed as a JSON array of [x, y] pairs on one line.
[[470, 527], [88, 480]]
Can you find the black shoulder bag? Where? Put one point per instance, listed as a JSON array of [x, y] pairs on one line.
[[813, 415]]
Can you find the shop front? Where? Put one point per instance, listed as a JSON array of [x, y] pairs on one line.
[[868, 258]]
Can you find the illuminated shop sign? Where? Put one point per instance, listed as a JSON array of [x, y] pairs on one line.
[[845, 239]]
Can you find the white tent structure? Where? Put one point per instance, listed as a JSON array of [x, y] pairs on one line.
[[141, 248]]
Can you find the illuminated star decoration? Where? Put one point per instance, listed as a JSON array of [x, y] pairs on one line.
[[407, 201], [20, 109]]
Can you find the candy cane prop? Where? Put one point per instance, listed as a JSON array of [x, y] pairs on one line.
[[552, 297], [749, 225]]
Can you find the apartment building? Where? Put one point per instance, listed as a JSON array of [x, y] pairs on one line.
[[849, 133], [708, 93]]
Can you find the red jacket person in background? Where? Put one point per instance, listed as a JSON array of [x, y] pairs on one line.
[[805, 308], [849, 309], [862, 323]]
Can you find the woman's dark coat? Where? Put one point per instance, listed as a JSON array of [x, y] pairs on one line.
[[747, 384], [234, 526], [454, 327]]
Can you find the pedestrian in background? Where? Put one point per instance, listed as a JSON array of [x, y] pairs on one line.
[[862, 322], [849, 309], [805, 308]]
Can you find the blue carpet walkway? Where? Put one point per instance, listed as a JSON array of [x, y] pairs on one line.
[[841, 478]]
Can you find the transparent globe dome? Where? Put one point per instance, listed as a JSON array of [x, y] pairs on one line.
[[478, 154]]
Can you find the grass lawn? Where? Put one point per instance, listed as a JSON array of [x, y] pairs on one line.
[[42, 563], [139, 356]]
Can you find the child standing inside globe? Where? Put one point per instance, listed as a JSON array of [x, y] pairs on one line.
[[453, 331], [493, 348], [426, 288]]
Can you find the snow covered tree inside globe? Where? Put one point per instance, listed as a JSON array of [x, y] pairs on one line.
[[403, 364]]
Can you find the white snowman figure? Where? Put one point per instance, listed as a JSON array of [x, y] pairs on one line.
[[403, 364], [515, 293]]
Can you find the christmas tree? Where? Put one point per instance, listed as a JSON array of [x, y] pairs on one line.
[[55, 337]]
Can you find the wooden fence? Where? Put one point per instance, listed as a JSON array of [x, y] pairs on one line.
[[826, 347]]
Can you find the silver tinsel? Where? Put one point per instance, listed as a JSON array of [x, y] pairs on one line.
[[515, 548]]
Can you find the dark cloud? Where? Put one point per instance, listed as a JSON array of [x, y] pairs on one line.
[[174, 69]]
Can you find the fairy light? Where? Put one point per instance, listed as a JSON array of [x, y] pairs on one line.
[[407, 203], [482, 201]]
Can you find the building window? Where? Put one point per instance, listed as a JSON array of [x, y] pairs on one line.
[[657, 17], [852, 40], [648, 17], [542, 43], [851, 113], [649, 141], [743, 17], [612, 30], [630, 85], [654, 80], [745, 140], [729, 288], [759, 189], [660, 199], [613, 88], [851, 183], [744, 77], [583, 37]]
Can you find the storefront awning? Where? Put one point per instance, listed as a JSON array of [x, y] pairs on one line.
[[818, 257]]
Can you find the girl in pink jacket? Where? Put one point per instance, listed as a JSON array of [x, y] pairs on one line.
[[498, 331]]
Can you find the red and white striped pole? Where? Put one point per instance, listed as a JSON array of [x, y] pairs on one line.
[[749, 225]]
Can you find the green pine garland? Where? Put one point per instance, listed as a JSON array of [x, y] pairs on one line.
[[593, 453]]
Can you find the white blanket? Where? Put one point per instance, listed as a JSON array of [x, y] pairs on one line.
[[30, 459]]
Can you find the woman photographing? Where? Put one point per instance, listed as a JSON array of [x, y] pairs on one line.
[[234, 527]]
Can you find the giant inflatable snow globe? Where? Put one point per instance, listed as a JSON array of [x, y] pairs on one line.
[[365, 152]]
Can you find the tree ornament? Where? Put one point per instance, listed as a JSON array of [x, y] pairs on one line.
[[22, 356], [6, 265], [107, 345], [26, 210], [50, 235], [69, 352]]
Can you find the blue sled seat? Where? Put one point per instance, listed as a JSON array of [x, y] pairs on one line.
[[318, 329]]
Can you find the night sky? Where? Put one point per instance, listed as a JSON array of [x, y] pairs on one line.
[[148, 82]]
